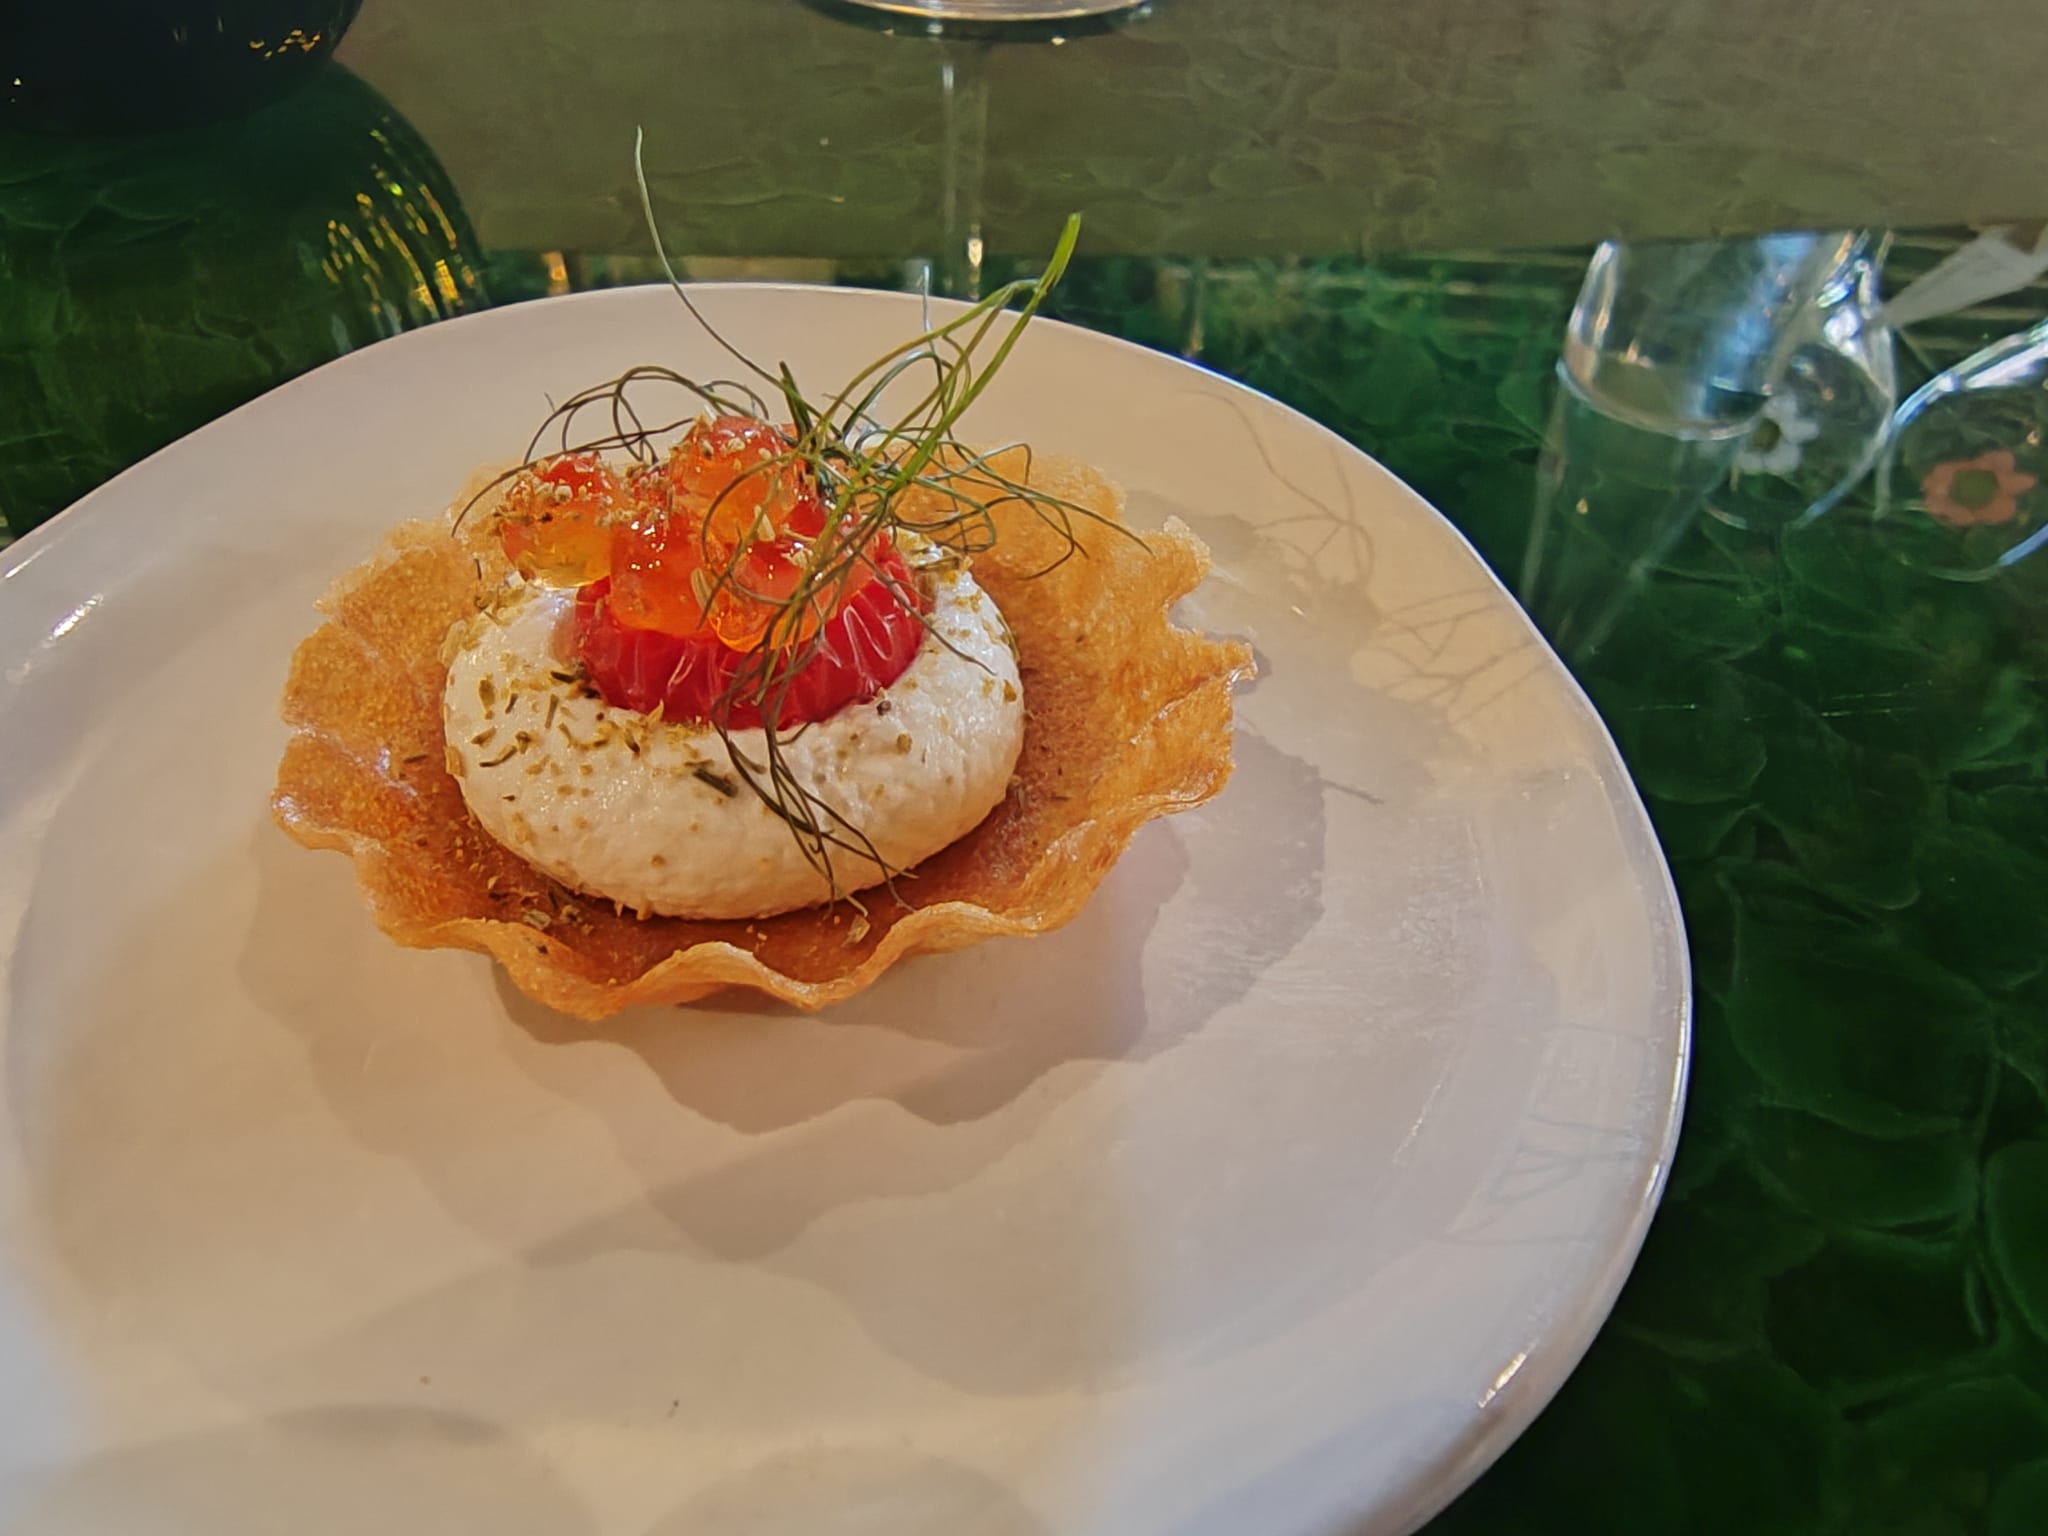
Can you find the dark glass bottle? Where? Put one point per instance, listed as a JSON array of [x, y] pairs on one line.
[[122, 66], [150, 283]]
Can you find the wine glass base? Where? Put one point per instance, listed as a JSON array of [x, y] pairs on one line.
[[999, 10]]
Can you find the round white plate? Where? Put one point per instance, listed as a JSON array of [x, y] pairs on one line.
[[1274, 1195]]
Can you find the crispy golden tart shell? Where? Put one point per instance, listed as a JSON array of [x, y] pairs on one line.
[[1128, 718]]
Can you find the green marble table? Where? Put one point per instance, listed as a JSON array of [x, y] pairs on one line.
[[1379, 213]]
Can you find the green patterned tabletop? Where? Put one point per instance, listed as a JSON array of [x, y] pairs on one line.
[[1381, 214]]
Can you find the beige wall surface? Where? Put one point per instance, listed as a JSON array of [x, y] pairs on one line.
[[1223, 127]]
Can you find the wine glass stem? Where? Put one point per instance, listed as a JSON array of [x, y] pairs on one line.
[[963, 79]]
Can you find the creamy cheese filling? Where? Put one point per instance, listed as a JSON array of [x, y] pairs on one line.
[[657, 817]]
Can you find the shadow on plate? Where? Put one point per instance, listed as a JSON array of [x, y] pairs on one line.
[[312, 1472], [1247, 876], [853, 1491], [985, 1043], [951, 1038], [319, 1114]]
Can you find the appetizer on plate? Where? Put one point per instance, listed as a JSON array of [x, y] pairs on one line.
[[770, 694]]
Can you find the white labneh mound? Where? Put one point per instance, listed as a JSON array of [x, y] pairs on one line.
[[654, 816]]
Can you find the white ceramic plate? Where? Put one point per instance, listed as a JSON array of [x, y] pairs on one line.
[[1276, 1194]]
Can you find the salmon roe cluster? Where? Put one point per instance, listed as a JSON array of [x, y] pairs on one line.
[[687, 568]]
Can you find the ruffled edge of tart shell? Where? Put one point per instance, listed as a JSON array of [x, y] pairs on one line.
[[1110, 609]]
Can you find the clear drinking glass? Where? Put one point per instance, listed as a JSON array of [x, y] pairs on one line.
[[1687, 338], [1968, 459], [1669, 361], [1829, 413]]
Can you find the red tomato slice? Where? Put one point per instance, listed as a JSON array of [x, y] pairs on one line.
[[860, 651]]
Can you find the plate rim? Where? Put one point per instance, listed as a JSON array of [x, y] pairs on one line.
[[1433, 1482]]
